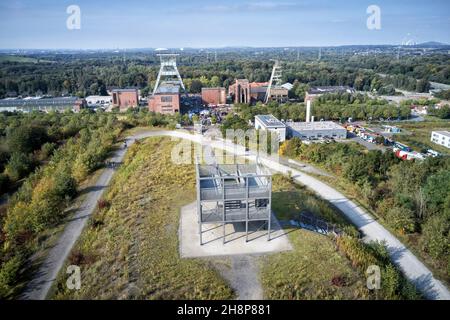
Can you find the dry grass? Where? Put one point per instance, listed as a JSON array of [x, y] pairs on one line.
[[314, 269], [132, 244]]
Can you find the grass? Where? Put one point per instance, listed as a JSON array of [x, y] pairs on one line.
[[314, 269], [420, 134], [130, 248]]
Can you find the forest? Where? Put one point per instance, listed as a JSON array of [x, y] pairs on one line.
[[84, 74]]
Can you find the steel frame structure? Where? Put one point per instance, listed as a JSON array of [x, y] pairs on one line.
[[239, 193], [275, 79], [168, 70]]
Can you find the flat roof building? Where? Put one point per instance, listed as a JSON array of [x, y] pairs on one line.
[[42, 104], [233, 193], [269, 123], [441, 137], [315, 130]]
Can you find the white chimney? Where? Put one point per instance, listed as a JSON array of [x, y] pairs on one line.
[[308, 110], [312, 119]]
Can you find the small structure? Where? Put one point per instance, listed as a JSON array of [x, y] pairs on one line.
[[233, 194], [441, 137], [125, 98], [270, 123], [98, 101]]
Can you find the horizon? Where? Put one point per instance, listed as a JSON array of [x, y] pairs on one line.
[[197, 24]]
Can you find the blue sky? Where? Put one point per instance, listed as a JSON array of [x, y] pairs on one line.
[[219, 23]]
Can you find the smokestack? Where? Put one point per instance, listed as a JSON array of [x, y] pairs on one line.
[[308, 110], [312, 119]]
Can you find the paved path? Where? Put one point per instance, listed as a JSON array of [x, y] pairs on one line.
[[38, 287], [413, 269]]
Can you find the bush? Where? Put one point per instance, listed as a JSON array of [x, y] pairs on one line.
[[19, 165], [436, 236], [4, 181], [8, 274]]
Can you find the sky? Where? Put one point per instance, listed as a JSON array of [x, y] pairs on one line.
[[41, 24]]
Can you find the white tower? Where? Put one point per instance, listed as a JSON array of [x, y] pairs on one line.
[[168, 71], [308, 110]]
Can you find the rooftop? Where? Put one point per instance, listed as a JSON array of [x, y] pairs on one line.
[[59, 101], [168, 89], [444, 133], [330, 89], [311, 126], [270, 121], [124, 90]]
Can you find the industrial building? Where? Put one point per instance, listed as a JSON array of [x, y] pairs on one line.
[[125, 98], [441, 137], [243, 91], [315, 130], [315, 92], [272, 124], [238, 194], [165, 100], [42, 104], [167, 92], [214, 96]]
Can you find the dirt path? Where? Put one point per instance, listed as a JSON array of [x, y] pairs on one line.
[[243, 277]]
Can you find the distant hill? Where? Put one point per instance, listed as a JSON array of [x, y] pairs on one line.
[[433, 44]]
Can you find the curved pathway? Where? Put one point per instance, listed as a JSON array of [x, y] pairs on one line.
[[413, 269]]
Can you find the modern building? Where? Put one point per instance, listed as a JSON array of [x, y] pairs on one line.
[[238, 194], [315, 92], [270, 123], [441, 137], [42, 104], [125, 98], [165, 100], [316, 130], [214, 96]]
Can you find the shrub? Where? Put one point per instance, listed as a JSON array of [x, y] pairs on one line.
[[18, 166], [436, 236], [8, 273]]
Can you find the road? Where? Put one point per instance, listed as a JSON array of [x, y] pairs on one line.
[[413, 269]]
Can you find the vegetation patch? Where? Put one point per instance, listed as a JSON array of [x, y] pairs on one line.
[[130, 249]]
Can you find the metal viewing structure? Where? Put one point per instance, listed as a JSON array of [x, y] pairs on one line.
[[233, 193]]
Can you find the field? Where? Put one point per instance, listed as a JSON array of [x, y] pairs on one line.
[[309, 271]]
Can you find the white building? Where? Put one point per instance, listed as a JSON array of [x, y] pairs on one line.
[[316, 130], [270, 123], [441, 137], [97, 101]]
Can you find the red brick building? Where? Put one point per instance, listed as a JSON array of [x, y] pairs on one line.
[[214, 96], [125, 98], [244, 91], [165, 100]]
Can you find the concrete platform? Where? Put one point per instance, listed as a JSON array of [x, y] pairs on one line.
[[235, 237]]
